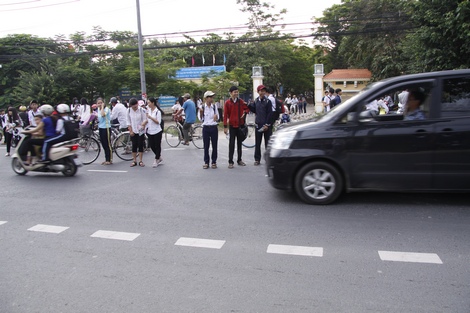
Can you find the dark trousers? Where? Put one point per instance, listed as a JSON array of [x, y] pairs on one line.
[[8, 139], [234, 133], [138, 142], [210, 135], [35, 142], [105, 138], [259, 137], [155, 143], [48, 143]]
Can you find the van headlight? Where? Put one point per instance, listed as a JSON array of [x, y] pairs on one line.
[[283, 140]]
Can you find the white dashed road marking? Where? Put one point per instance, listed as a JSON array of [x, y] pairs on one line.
[[410, 257], [106, 234], [3, 222], [48, 229], [200, 243], [106, 171], [295, 250]]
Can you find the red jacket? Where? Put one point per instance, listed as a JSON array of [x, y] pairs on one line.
[[233, 111]]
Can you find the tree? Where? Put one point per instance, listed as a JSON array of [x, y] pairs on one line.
[[367, 34], [19, 55], [442, 38]]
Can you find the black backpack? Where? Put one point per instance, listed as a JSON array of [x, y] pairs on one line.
[[279, 110], [333, 103], [72, 129]]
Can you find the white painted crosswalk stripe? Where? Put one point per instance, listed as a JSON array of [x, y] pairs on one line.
[[3, 222], [295, 250], [412, 257], [106, 234], [106, 171], [200, 243], [48, 229]]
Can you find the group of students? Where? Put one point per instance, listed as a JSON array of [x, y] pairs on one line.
[[140, 118], [331, 99], [234, 120], [14, 121]]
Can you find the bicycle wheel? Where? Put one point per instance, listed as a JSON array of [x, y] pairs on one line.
[[173, 136], [88, 150], [250, 140], [122, 145], [196, 136]]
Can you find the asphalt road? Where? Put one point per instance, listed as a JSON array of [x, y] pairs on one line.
[[179, 238]]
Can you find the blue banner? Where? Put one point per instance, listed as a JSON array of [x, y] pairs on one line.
[[197, 72], [166, 101]]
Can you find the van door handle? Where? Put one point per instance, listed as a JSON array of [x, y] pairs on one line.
[[421, 133], [447, 132]]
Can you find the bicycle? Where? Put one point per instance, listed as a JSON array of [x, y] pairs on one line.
[[250, 140], [174, 135], [89, 148], [122, 146]]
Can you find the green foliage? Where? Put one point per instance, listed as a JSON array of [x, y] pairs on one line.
[[442, 40], [393, 37]]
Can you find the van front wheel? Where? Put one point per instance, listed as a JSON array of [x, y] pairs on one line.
[[318, 183]]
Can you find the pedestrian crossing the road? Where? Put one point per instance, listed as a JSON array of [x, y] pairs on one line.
[[291, 250]]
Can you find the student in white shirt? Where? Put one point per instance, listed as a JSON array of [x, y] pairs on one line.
[[209, 115], [154, 130]]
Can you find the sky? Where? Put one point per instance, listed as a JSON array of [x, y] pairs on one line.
[[48, 18]]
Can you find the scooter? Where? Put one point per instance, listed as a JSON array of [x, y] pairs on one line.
[[63, 158]]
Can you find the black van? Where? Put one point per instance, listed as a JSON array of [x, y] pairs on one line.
[[355, 148]]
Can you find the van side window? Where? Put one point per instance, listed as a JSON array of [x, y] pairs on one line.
[[455, 100]]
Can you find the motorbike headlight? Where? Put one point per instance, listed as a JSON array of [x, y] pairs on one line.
[[283, 140]]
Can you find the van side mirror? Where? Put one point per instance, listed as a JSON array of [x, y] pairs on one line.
[[351, 117], [366, 116]]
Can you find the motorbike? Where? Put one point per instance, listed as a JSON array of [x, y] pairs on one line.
[[16, 137], [63, 158]]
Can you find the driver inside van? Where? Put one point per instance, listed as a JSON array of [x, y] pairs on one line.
[[412, 108]]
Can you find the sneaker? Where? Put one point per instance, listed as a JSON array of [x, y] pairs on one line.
[[230, 165], [257, 163], [214, 165], [160, 161], [155, 163], [205, 166], [241, 163], [7, 155]]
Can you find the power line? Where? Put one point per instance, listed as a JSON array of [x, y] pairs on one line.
[[40, 6], [198, 44]]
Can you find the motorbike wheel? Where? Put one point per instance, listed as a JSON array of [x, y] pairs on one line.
[[17, 167], [70, 168], [14, 142]]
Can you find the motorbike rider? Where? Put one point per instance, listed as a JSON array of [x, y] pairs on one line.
[[54, 129], [36, 140]]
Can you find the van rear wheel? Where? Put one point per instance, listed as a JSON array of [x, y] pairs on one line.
[[318, 183]]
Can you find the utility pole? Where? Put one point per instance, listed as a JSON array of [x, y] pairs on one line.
[[143, 87]]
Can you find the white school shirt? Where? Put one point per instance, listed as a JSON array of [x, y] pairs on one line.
[[135, 119], [152, 127], [209, 113]]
